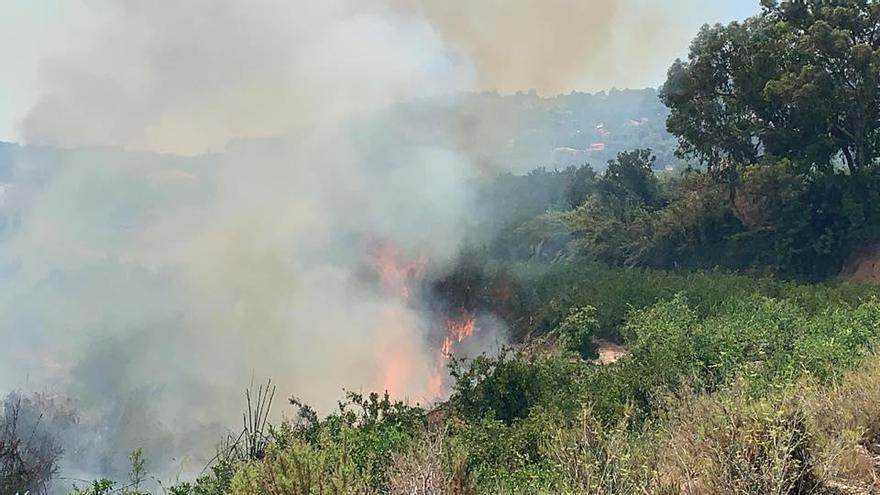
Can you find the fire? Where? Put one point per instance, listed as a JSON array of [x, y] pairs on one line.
[[398, 278], [457, 330], [462, 328], [446, 347]]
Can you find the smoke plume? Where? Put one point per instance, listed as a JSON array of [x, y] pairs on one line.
[[153, 289]]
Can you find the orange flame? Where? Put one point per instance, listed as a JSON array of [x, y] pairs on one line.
[[398, 278], [462, 328], [457, 330], [395, 276]]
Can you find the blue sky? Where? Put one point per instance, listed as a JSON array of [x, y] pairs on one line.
[[727, 10], [32, 31]]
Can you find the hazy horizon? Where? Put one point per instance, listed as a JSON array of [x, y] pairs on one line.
[[612, 51]]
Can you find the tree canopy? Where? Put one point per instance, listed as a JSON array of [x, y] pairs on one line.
[[799, 80]]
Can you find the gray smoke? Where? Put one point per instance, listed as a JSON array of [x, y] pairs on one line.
[[154, 289]]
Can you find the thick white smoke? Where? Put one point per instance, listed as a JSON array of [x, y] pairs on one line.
[[153, 290]]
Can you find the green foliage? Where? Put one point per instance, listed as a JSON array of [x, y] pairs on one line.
[[506, 388], [765, 218], [630, 179], [767, 341], [625, 228], [804, 226], [576, 332], [302, 468], [138, 472], [510, 199], [549, 292], [588, 456], [612, 232], [136, 476], [544, 238], [799, 81], [635, 219], [217, 482], [580, 186], [373, 428], [770, 216], [509, 405], [98, 487]]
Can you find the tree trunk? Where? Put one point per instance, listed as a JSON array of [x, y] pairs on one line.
[[860, 135], [847, 154]]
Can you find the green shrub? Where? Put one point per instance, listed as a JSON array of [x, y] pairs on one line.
[[302, 469], [576, 332]]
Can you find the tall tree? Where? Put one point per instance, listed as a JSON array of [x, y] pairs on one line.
[[800, 80], [631, 178]]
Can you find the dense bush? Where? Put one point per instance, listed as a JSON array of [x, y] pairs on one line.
[[770, 217], [365, 433], [300, 468], [538, 296]]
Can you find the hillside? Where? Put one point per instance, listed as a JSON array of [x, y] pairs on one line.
[[516, 133]]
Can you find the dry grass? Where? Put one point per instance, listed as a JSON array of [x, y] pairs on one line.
[[845, 423], [730, 443], [594, 459], [809, 439], [422, 470]]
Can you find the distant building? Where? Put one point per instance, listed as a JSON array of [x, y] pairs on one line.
[[563, 157]]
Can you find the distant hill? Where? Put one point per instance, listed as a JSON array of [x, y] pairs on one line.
[[502, 133], [518, 133]]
